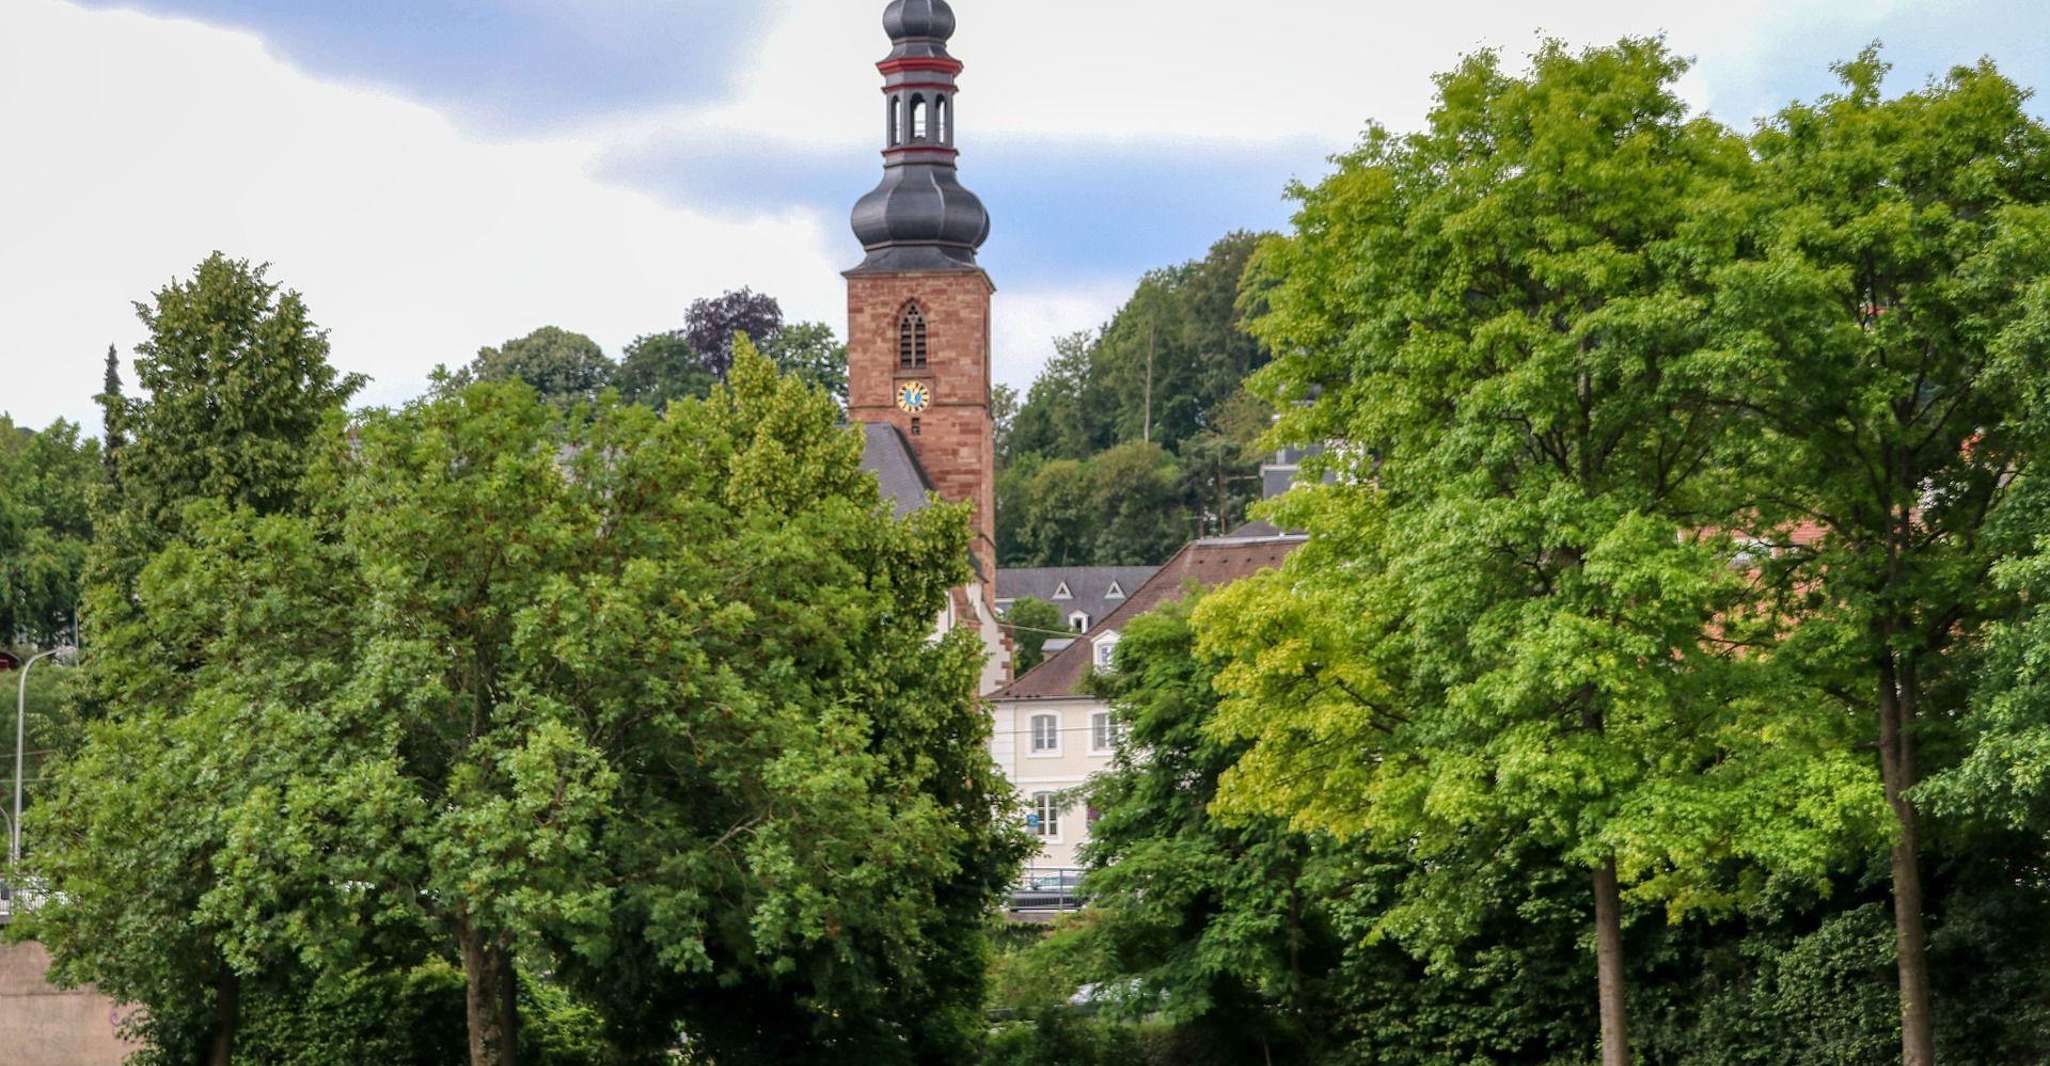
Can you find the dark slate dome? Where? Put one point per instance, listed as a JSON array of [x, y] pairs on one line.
[[918, 18], [921, 218]]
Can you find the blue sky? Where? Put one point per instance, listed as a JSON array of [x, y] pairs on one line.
[[441, 174]]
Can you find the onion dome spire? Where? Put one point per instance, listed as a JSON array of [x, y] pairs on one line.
[[920, 217]]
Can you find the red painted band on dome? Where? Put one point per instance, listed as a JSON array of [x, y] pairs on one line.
[[898, 66], [933, 85], [909, 148]]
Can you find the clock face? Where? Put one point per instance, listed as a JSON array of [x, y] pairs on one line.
[[914, 396]]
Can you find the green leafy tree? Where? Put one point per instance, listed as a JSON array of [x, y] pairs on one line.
[[1003, 412], [1140, 510], [237, 390], [562, 366], [1165, 374], [237, 383], [1032, 622], [1502, 625], [1176, 353], [1215, 924], [49, 476], [1220, 464], [1901, 280], [1064, 415], [652, 700], [810, 352], [109, 401], [659, 369], [1052, 512]]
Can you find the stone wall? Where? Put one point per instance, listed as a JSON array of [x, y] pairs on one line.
[[44, 1026], [954, 438]]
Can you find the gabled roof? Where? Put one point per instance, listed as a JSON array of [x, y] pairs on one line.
[[1205, 563], [887, 454], [1089, 587]]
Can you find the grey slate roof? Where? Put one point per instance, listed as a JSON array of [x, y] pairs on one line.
[[886, 454], [1089, 586], [1206, 563]]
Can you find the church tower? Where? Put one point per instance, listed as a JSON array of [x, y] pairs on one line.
[[918, 326]]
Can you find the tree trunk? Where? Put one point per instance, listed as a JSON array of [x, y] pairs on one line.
[[1608, 954], [1897, 766], [227, 1015], [491, 992]]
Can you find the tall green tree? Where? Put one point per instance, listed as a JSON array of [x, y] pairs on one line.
[[1032, 622], [562, 366], [658, 369], [49, 477], [109, 401], [1175, 353], [650, 701], [810, 352], [1902, 284], [1215, 923], [236, 382], [1502, 624], [1137, 498], [1064, 415], [237, 390]]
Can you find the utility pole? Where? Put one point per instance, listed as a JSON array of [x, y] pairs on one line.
[[20, 749], [1152, 334]]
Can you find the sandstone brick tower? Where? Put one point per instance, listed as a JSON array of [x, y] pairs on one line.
[[918, 329]]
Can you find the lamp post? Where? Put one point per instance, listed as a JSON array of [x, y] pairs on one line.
[[20, 749]]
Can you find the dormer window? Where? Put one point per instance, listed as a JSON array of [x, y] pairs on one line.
[[1062, 592], [1117, 592], [1079, 622], [1106, 651], [911, 343]]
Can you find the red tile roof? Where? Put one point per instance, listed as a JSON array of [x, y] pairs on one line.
[[1203, 563]]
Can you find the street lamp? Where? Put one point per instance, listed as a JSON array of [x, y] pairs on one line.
[[20, 748]]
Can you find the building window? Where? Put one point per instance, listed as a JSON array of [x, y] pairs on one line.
[[917, 426], [1103, 733], [1117, 592], [942, 119], [1062, 592], [1079, 622], [1046, 812], [896, 134], [1106, 652], [911, 345], [918, 119], [1046, 733]]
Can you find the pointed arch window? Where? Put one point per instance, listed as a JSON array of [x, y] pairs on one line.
[[943, 126], [911, 344], [918, 117]]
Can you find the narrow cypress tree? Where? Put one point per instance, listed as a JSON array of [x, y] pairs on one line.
[[111, 404]]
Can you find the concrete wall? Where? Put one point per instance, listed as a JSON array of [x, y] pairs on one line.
[[44, 1026]]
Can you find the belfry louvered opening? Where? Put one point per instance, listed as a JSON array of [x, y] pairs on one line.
[[911, 339]]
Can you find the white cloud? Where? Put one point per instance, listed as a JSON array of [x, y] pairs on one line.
[[1210, 70], [1027, 321], [136, 145]]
